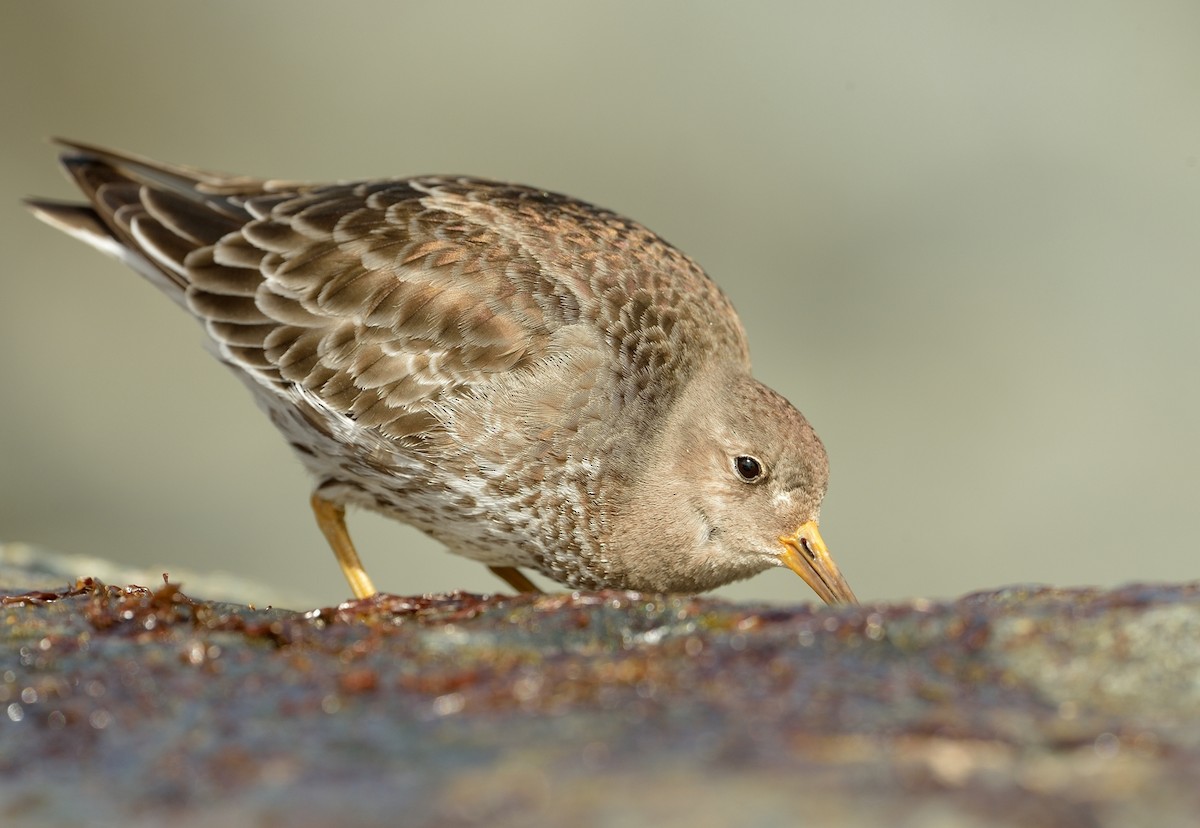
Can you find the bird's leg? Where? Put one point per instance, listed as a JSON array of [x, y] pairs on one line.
[[515, 578], [331, 517]]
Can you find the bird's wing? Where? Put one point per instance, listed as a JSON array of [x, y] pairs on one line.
[[380, 298]]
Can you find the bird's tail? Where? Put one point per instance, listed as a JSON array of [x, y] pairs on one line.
[[147, 214]]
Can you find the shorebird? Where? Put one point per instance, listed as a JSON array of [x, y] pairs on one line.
[[531, 380]]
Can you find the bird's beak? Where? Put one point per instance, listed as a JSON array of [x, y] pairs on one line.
[[805, 554]]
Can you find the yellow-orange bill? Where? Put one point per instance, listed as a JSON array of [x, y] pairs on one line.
[[805, 554]]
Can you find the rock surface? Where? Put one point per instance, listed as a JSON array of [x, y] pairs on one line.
[[1021, 707]]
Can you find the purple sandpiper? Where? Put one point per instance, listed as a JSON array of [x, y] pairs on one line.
[[531, 380]]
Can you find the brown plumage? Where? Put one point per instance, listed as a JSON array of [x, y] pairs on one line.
[[533, 381]]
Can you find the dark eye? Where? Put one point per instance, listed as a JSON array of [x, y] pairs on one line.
[[748, 468]]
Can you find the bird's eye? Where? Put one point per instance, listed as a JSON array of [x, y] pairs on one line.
[[748, 468]]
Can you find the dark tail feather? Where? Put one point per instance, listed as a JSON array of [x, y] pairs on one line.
[[72, 218], [188, 182], [147, 214]]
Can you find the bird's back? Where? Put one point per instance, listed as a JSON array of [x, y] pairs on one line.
[[384, 298]]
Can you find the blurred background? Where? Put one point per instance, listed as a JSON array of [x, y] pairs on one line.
[[963, 239]]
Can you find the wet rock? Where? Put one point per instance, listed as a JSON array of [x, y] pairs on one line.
[[1025, 706]]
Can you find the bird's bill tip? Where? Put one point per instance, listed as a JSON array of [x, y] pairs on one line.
[[804, 552]]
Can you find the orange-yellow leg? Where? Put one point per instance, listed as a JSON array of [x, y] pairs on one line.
[[331, 517], [515, 578]]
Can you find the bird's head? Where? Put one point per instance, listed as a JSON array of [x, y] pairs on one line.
[[732, 486]]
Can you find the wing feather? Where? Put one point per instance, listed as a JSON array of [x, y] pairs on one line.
[[386, 299]]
